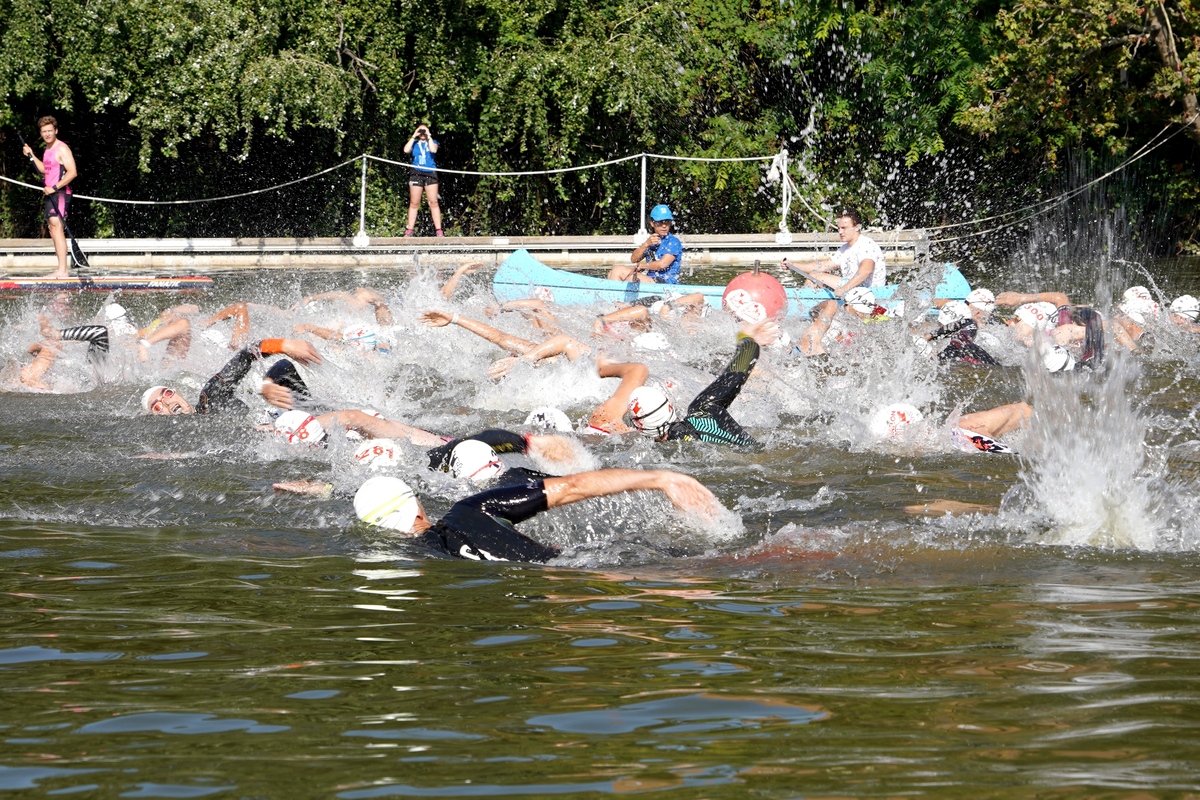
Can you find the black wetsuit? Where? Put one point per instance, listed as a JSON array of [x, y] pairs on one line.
[[217, 394], [95, 335], [961, 346], [708, 416], [483, 527]]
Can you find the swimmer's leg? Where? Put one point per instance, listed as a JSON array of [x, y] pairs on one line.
[[810, 340], [995, 422]]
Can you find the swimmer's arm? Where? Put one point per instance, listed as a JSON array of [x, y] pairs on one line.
[[629, 314], [683, 491], [376, 428], [317, 330], [451, 284], [1014, 299], [607, 415], [298, 349]]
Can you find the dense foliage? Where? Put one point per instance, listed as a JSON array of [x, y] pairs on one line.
[[920, 112]]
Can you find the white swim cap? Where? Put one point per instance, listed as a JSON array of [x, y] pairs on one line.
[[299, 427], [652, 341], [1038, 315], [860, 299], [114, 311], [1056, 358], [892, 421], [146, 395], [1186, 306], [388, 503], [548, 418], [365, 337], [1138, 293], [216, 336], [651, 410], [953, 312], [475, 460], [377, 453], [1138, 309], [982, 299]]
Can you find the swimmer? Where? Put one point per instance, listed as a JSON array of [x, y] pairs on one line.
[[524, 350], [47, 351], [957, 323], [483, 527], [859, 303], [278, 389], [639, 315], [1185, 313], [653, 413], [361, 298]]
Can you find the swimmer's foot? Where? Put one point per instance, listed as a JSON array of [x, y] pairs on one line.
[[938, 508], [33, 381]]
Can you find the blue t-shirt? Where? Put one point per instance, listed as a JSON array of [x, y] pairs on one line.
[[422, 156], [668, 245]]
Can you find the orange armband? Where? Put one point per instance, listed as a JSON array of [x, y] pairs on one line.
[[270, 347]]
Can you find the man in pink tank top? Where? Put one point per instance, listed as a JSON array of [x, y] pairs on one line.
[[58, 168]]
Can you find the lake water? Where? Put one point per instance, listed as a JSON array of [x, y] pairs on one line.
[[175, 628]]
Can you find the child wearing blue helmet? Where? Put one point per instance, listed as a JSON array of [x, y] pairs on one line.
[[659, 259]]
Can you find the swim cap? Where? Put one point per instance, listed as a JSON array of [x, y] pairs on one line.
[[661, 212], [1138, 309], [861, 300], [953, 312], [892, 421], [376, 453], [651, 410], [365, 337], [388, 503], [114, 313], [299, 427], [549, 418], [982, 299], [652, 341], [1056, 358], [146, 395], [1138, 293], [1186, 306], [1038, 315], [475, 460]]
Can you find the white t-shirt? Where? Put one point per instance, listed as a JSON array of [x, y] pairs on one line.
[[849, 257]]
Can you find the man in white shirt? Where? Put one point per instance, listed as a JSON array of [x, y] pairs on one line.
[[858, 262]]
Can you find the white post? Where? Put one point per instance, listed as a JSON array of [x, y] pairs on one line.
[[361, 239], [784, 236], [642, 234]]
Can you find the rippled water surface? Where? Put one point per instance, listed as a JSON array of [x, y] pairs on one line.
[[174, 628]]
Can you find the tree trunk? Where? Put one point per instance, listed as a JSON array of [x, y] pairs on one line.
[[1164, 40]]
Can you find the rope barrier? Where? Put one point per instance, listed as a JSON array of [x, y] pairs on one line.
[[250, 193]]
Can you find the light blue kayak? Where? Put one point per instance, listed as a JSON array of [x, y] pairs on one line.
[[521, 276]]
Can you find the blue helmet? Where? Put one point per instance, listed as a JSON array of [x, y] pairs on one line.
[[661, 212]]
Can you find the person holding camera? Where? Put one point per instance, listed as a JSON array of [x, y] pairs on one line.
[[659, 259], [424, 177]]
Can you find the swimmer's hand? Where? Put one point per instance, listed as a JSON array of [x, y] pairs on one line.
[[276, 395], [500, 367], [688, 494], [436, 319], [302, 351], [765, 332]]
